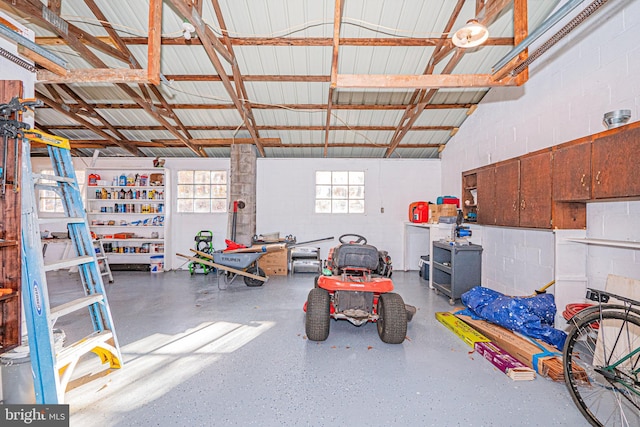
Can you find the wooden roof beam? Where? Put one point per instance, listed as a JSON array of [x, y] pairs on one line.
[[423, 81], [191, 14], [293, 41], [61, 109], [267, 127], [337, 21]]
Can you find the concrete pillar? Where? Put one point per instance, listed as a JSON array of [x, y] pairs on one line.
[[243, 188]]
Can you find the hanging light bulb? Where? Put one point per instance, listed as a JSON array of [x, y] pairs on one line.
[[471, 35], [187, 29]]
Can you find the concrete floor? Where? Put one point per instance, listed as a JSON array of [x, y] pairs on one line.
[[197, 355]]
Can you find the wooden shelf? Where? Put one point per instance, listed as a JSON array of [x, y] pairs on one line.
[[605, 242]]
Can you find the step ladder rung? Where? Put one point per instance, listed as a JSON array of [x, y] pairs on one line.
[[61, 220], [68, 263], [79, 348], [71, 306], [55, 178]]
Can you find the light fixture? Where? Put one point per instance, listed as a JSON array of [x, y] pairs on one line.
[[187, 29], [471, 35], [617, 118]]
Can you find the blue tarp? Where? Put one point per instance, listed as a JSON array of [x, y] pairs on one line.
[[530, 316]]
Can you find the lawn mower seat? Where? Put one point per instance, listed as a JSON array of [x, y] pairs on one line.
[[355, 255]]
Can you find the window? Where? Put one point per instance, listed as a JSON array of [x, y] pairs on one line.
[[49, 201], [340, 192], [202, 191]]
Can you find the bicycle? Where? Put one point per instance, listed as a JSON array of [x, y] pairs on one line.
[[601, 359]]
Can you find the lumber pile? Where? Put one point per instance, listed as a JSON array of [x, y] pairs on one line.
[[543, 358], [490, 351]]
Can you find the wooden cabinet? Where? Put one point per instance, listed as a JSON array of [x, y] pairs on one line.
[[535, 190], [507, 195], [470, 197], [486, 208], [615, 163], [10, 235], [572, 172]]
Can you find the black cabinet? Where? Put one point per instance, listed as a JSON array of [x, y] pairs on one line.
[[456, 268]]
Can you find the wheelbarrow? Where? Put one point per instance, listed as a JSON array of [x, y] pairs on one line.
[[231, 264]]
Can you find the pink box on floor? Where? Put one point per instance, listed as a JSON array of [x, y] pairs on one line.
[[504, 361]]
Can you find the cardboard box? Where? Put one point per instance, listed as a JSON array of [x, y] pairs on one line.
[[466, 333], [436, 211], [275, 263]]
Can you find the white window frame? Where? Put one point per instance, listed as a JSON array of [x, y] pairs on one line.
[[216, 203], [340, 192]]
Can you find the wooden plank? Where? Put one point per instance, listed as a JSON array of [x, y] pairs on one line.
[[41, 60], [423, 81], [155, 33], [94, 75]]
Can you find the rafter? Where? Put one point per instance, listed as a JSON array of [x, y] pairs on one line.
[[266, 127], [61, 109], [191, 14], [337, 21], [293, 41]]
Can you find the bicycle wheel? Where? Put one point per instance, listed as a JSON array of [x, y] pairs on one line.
[[601, 363]]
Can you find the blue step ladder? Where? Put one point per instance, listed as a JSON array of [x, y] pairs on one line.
[[53, 367]]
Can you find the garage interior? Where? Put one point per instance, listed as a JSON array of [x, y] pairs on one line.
[[239, 120]]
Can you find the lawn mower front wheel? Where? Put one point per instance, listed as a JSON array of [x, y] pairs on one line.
[[318, 315], [392, 318]]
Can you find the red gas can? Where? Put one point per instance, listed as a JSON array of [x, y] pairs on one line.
[[419, 212]]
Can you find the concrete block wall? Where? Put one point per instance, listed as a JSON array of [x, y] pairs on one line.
[[592, 71]]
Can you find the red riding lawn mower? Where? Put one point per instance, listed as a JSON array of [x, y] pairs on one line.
[[350, 289]]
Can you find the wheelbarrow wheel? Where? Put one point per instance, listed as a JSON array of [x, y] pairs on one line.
[[250, 281]]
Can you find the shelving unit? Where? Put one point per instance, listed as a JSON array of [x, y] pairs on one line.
[[455, 268], [130, 220], [469, 197]]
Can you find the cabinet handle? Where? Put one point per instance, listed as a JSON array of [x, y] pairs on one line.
[[598, 178], [515, 206], [582, 179], [523, 204]]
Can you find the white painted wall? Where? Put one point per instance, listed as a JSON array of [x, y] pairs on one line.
[[591, 72], [286, 199]]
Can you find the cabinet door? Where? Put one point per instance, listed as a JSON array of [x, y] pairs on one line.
[[572, 173], [486, 207], [507, 193], [615, 164], [535, 191]]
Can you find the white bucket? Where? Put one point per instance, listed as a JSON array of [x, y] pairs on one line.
[[156, 263]]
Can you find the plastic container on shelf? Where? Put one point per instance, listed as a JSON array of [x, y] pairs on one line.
[[156, 263]]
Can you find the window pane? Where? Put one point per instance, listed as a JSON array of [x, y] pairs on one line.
[[356, 206], [323, 191], [218, 205], [203, 177], [185, 191], [219, 177], [323, 177], [339, 206], [202, 206], [185, 205], [219, 191], [356, 192], [356, 178], [185, 177], [340, 178], [340, 192], [323, 206], [202, 191]]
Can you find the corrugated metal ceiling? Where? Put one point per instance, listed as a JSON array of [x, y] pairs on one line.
[[283, 52]]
